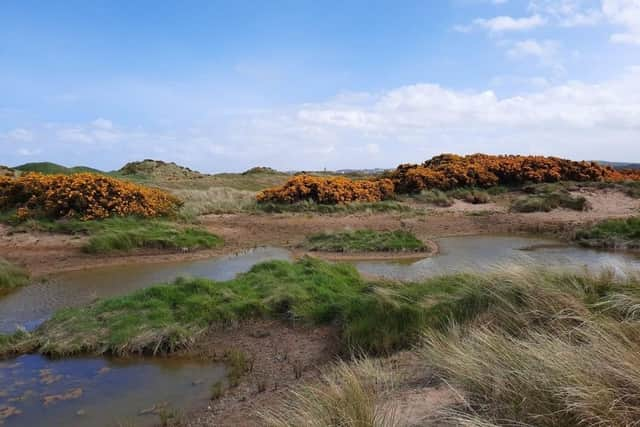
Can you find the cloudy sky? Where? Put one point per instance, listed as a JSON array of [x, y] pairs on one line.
[[302, 84]]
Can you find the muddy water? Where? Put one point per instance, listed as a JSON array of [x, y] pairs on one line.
[[35, 391], [482, 253], [31, 305]]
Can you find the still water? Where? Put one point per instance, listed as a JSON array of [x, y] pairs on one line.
[[99, 392]]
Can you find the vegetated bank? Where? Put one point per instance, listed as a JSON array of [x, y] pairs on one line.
[[365, 240], [612, 233]]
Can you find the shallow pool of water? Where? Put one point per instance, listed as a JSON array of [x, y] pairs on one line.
[[31, 305], [100, 392], [482, 253]]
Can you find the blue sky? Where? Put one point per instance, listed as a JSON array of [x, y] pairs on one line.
[[223, 86]]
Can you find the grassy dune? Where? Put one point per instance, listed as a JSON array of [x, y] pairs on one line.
[[364, 241]]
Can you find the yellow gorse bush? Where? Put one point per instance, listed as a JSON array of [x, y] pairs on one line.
[[85, 196]]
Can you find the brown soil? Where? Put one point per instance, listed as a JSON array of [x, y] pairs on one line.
[[277, 351]]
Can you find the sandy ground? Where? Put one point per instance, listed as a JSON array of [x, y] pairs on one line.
[[43, 253]]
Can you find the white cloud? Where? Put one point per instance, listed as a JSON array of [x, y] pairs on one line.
[[19, 134], [568, 13], [545, 50], [508, 23], [101, 123], [625, 13]]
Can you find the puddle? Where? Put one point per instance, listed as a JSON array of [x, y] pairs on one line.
[[100, 392], [481, 253], [31, 305]]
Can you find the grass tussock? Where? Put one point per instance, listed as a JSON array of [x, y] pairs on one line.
[[364, 241], [348, 395], [11, 276], [548, 350], [447, 198], [612, 233]]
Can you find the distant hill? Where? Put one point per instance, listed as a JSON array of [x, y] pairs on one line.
[[260, 169], [158, 169], [54, 168], [619, 165]]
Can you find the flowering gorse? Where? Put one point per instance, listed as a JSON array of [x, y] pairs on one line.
[[85, 196]]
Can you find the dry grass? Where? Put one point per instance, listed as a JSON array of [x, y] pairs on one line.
[[348, 395], [215, 200], [561, 353]]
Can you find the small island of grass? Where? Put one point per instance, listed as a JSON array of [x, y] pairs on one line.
[[612, 233], [365, 241]]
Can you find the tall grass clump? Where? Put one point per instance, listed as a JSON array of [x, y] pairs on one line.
[[364, 241], [549, 349], [348, 395], [11, 276]]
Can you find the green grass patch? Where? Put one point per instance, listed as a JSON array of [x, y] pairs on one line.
[[364, 241], [345, 208], [612, 233], [123, 234], [11, 276]]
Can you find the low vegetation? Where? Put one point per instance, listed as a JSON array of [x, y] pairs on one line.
[[612, 233], [84, 196], [11, 276], [548, 201], [364, 241]]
